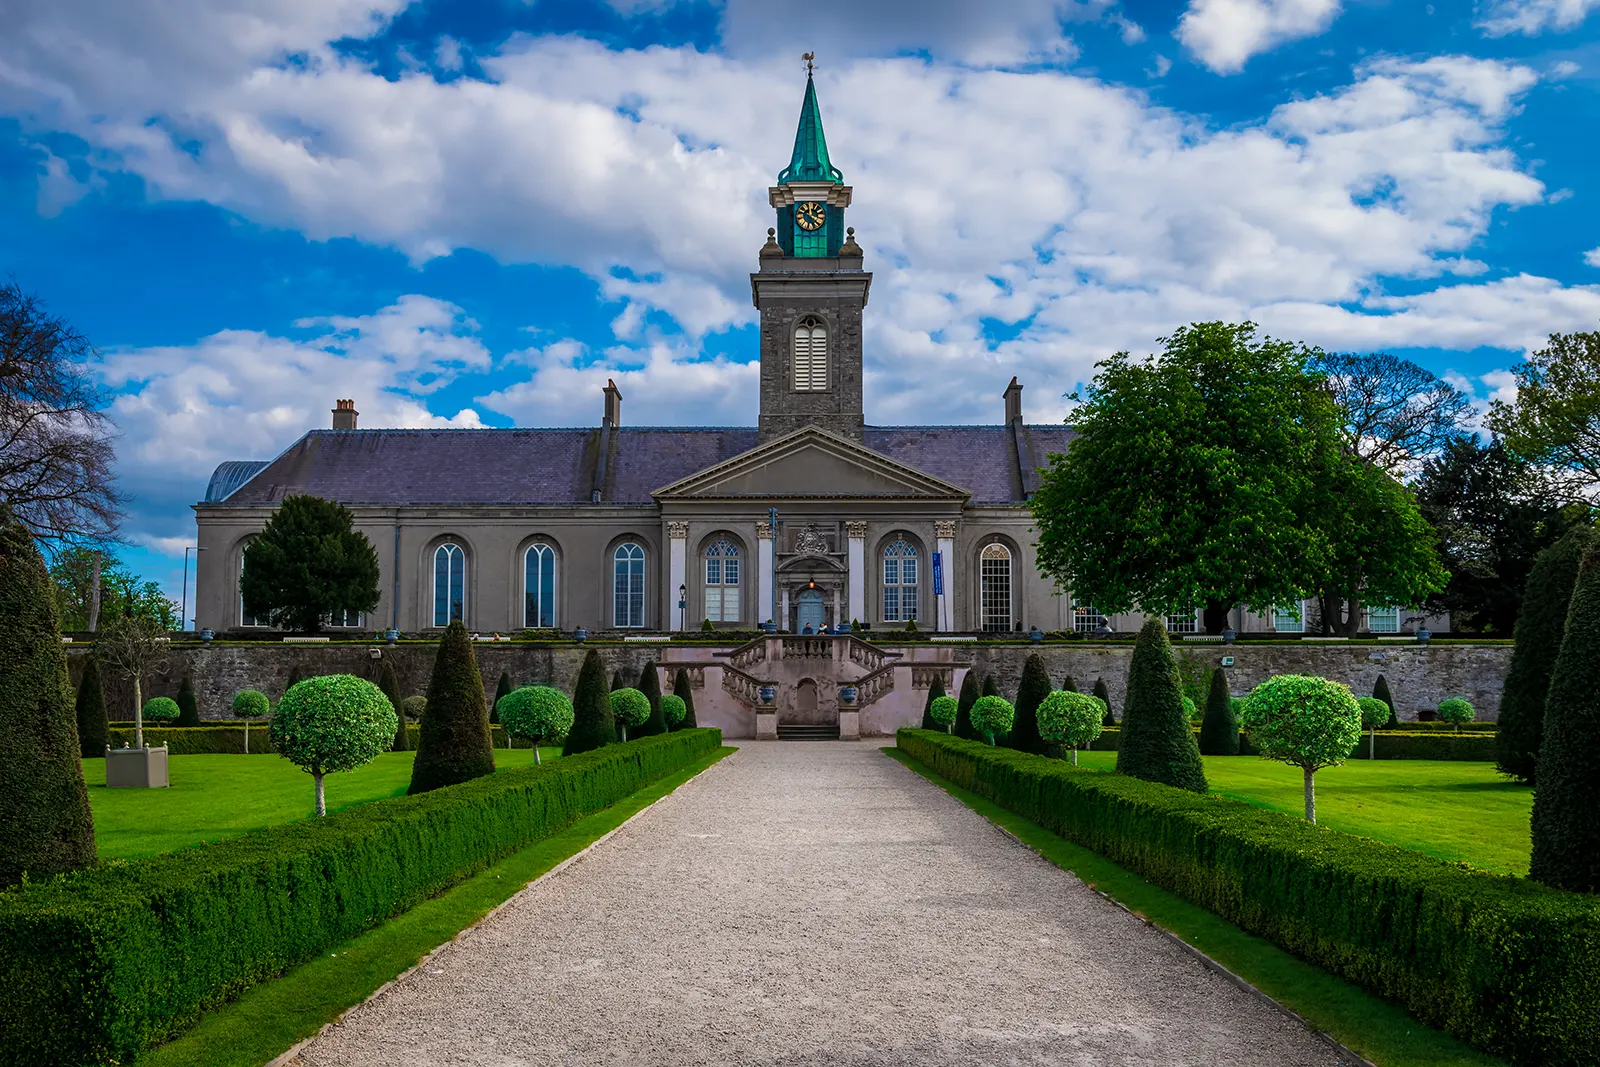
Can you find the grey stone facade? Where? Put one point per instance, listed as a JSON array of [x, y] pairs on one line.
[[786, 290]]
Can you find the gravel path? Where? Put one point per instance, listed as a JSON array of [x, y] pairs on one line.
[[813, 903]]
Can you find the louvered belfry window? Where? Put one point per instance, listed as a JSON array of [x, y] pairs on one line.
[[811, 356]]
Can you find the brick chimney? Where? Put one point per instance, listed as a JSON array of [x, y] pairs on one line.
[[1013, 395], [613, 412], [344, 414]]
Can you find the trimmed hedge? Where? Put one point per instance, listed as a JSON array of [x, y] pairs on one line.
[[1500, 962], [101, 964], [229, 740], [1391, 744]]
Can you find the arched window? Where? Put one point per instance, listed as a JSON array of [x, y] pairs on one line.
[[994, 576], [245, 618], [899, 582], [627, 590], [722, 582], [539, 587], [449, 584], [811, 355]]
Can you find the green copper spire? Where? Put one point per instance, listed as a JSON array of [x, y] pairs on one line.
[[810, 161]]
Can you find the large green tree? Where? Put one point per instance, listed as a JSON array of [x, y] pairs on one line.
[[45, 825], [1539, 633], [1555, 418], [79, 571], [309, 563], [1157, 744], [1566, 831], [454, 744], [1193, 478], [1494, 513]]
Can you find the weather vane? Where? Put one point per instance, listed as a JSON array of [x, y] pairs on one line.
[[808, 57]]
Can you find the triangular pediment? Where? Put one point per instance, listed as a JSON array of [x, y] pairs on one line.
[[811, 463]]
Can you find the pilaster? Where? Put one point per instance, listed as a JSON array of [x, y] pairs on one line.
[[677, 571], [856, 561], [944, 532], [764, 589]]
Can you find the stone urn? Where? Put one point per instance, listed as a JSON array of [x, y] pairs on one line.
[[391, 635], [580, 635], [207, 634], [847, 695], [1423, 636]]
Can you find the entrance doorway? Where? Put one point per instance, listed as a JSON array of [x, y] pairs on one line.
[[809, 611]]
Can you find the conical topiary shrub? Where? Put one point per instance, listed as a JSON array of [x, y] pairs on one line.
[[935, 691], [454, 744], [500, 690], [1538, 637], [991, 686], [45, 824], [593, 725], [1033, 687], [1157, 744], [682, 689], [968, 697], [1219, 731], [296, 676], [389, 683], [1380, 691], [188, 707], [1103, 691], [1566, 831], [618, 681], [94, 729], [1069, 684], [650, 686]]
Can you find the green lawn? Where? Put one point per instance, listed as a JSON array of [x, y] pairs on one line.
[[215, 797], [1446, 808]]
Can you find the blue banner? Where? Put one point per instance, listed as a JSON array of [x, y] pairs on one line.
[[938, 574]]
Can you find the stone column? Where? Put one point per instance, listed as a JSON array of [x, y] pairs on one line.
[[677, 572], [945, 532], [856, 532], [764, 572]]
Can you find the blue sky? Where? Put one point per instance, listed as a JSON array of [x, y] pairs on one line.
[[473, 213]]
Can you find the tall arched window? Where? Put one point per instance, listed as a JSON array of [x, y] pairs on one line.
[[994, 576], [811, 355], [627, 590], [539, 587], [449, 584], [899, 582], [722, 582]]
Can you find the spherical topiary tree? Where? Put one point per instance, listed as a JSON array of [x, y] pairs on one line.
[[943, 711], [935, 691], [1306, 721], [683, 689], [250, 704], [1456, 711], [593, 723], [1157, 744], [161, 709], [1219, 731], [188, 706], [673, 708], [414, 706], [992, 717], [969, 696], [454, 744], [541, 713], [1374, 713], [332, 723], [1102, 693], [1032, 690], [631, 707], [94, 728], [1191, 711], [1071, 719]]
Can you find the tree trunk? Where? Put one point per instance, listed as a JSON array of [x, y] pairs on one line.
[[1352, 623], [94, 593], [247, 737], [138, 714], [1311, 798], [1214, 616], [1372, 743], [536, 759], [624, 731], [1074, 755], [322, 804]]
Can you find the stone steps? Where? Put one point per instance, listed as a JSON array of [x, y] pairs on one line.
[[797, 731]]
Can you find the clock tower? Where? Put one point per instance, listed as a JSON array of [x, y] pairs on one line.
[[810, 291]]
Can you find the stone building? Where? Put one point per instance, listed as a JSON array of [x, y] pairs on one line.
[[811, 518]]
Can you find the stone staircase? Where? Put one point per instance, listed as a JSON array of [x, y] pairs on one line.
[[799, 731]]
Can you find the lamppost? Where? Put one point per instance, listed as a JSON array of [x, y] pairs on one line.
[[196, 549], [683, 606]]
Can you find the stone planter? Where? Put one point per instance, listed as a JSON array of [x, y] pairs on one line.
[[849, 725], [580, 635], [136, 768], [767, 693], [847, 694], [766, 725]]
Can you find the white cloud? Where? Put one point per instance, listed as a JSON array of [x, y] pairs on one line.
[[1530, 17], [58, 189], [1224, 34], [1592, 257]]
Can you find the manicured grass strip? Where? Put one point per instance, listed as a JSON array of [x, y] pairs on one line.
[[268, 1019], [1378, 1030]]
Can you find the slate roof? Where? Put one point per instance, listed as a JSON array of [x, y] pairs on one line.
[[556, 466]]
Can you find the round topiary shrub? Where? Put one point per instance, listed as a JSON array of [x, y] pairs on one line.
[[538, 712], [943, 711], [1303, 720], [1457, 710], [1071, 719], [250, 704], [992, 716], [414, 707], [674, 709], [335, 722], [631, 708], [1191, 710], [161, 709], [1374, 713]]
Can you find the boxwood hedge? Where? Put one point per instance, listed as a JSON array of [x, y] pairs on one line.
[[1392, 744], [101, 964], [229, 740], [1502, 962]]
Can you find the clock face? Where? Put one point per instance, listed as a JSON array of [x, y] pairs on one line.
[[811, 214]]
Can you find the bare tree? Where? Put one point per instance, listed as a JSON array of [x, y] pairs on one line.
[[1397, 413], [130, 646], [55, 437]]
